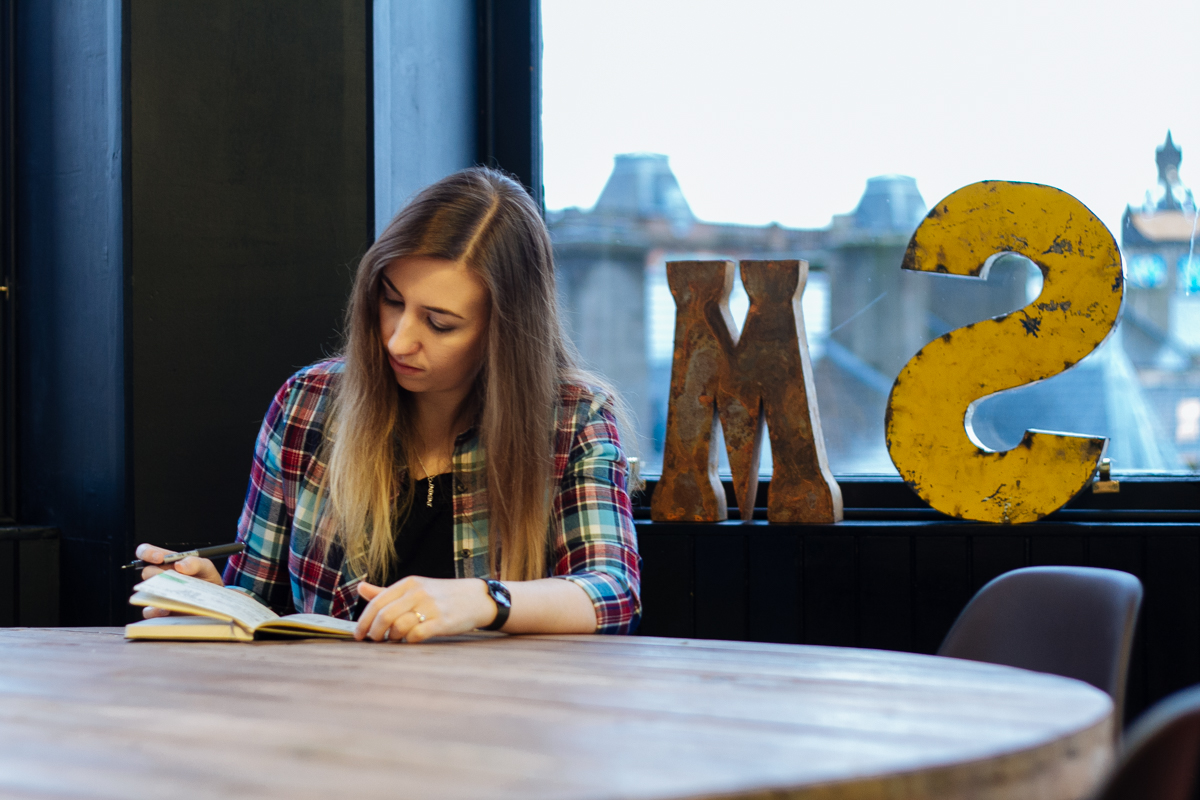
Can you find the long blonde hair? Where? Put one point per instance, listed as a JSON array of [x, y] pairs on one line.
[[487, 221]]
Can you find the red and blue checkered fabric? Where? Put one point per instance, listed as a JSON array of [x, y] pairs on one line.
[[288, 567]]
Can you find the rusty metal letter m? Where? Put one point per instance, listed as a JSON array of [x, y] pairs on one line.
[[762, 378]]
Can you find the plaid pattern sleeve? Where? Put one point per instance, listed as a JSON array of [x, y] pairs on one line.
[[276, 523], [594, 544]]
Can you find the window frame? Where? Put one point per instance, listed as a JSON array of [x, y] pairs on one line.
[[885, 498], [507, 99], [8, 310]]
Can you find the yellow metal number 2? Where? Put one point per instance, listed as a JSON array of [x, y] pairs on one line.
[[928, 431]]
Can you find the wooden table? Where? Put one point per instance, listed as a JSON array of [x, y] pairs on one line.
[[84, 713]]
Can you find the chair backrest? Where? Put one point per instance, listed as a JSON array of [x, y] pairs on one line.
[[1158, 761], [1072, 621]]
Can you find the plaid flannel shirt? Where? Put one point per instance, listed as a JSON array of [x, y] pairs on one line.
[[592, 539]]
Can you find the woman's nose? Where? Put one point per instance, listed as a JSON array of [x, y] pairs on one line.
[[403, 340]]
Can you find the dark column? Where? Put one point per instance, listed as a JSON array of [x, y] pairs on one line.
[[509, 126], [72, 469], [251, 204]]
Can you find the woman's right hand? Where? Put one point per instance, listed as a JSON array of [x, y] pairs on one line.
[[201, 568]]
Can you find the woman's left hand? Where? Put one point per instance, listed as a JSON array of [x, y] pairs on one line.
[[415, 609]]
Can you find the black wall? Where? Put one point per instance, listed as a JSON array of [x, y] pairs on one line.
[[251, 203]]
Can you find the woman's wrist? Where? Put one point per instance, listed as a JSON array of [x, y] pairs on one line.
[[501, 599], [486, 608]]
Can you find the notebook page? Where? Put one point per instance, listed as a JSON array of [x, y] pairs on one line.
[[186, 589]]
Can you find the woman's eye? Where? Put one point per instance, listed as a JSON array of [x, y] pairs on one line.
[[391, 301], [439, 327]]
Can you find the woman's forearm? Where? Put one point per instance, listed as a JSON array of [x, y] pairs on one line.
[[416, 609], [549, 605]]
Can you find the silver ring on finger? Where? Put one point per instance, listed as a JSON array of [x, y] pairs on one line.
[[420, 617]]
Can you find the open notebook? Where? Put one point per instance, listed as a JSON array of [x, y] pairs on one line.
[[219, 614]]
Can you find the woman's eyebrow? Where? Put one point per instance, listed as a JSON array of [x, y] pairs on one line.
[[434, 309], [445, 311]]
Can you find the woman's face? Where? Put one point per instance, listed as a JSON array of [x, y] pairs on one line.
[[433, 315]]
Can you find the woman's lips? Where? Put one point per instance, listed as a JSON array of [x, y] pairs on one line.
[[404, 369]]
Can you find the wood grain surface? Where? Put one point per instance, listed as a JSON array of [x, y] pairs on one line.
[[84, 713]]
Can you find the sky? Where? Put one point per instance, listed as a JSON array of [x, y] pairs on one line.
[[780, 111]]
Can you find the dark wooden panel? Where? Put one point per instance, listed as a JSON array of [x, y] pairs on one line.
[[1126, 554], [720, 586], [91, 589], [668, 573], [251, 197], [1058, 551], [830, 590], [37, 600], [1117, 552], [8, 583], [885, 592], [1137, 693], [941, 587], [1172, 614], [774, 599], [70, 281], [992, 556]]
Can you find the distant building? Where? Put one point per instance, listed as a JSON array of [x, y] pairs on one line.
[[1161, 330], [611, 261], [865, 317], [1163, 269], [881, 315]]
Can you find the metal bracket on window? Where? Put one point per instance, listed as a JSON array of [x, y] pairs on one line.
[[1105, 484]]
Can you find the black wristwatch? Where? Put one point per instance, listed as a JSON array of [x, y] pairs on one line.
[[503, 600]]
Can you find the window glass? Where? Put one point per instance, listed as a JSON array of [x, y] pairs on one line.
[[1146, 270], [684, 130], [1189, 273]]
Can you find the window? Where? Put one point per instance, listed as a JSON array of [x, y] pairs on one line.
[[823, 132]]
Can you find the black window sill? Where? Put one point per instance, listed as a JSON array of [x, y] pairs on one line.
[[1141, 499]]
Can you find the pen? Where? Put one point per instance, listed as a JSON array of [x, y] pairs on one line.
[[203, 552]]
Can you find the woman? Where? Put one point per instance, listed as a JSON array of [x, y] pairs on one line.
[[455, 441]]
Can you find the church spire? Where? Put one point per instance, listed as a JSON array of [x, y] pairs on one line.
[[1168, 157]]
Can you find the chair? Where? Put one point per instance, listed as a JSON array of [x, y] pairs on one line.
[[1072, 621], [1161, 752]]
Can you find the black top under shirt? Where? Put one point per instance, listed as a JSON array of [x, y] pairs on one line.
[[425, 542]]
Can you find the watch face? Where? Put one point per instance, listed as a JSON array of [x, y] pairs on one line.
[[500, 593], [503, 600]]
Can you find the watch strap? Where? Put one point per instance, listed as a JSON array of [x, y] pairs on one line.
[[503, 600]]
